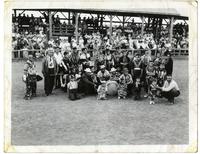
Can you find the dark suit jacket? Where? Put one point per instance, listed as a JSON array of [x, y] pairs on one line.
[[45, 70]]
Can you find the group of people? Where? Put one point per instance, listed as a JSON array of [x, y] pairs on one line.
[[80, 72], [95, 41], [39, 25]]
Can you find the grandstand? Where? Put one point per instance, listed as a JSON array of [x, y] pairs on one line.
[[56, 23]]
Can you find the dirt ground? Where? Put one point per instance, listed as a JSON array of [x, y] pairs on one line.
[[55, 120]]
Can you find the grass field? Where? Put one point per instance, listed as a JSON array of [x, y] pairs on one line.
[[55, 120]]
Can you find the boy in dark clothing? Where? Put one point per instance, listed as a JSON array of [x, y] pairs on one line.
[[137, 89]]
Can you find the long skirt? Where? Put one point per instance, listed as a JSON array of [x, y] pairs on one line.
[[122, 90]]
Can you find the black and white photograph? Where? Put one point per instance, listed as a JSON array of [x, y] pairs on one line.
[[101, 76]]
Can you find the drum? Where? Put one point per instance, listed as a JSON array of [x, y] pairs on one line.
[[112, 87]]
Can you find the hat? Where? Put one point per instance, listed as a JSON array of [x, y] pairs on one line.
[[71, 76], [113, 69], [137, 54], [56, 47], [83, 48], [88, 70], [102, 66]]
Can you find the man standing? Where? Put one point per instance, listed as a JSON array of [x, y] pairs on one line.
[[58, 57], [170, 89], [124, 60], [49, 70], [136, 67], [74, 59]]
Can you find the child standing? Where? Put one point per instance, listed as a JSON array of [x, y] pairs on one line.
[[150, 74], [125, 84], [30, 78], [137, 88], [161, 78], [161, 75], [152, 91]]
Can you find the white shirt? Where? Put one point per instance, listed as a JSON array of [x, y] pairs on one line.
[[100, 74], [169, 86], [72, 85], [50, 62], [58, 57]]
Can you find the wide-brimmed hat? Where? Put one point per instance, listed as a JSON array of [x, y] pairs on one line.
[[88, 70], [102, 67], [113, 69], [74, 47], [83, 48], [57, 47]]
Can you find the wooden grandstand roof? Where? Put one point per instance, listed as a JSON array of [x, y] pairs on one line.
[[160, 13]]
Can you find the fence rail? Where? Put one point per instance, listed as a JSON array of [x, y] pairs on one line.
[[23, 54]]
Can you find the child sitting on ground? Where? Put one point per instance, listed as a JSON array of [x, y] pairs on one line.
[[152, 91], [73, 88], [102, 90]]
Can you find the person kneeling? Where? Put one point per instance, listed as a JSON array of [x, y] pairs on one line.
[[170, 89]]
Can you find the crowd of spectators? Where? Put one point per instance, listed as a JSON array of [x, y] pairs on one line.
[[130, 38]]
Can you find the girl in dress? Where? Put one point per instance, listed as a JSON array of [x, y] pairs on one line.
[[102, 90], [122, 89], [73, 88], [150, 74], [125, 82], [152, 91]]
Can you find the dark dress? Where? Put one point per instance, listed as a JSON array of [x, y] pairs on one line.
[[88, 85], [126, 61]]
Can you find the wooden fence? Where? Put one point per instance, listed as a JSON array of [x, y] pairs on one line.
[[23, 54]]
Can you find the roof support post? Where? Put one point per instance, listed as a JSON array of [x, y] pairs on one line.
[[110, 25], [15, 13], [171, 29], [69, 17], [142, 28], [76, 26], [50, 24], [123, 22]]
